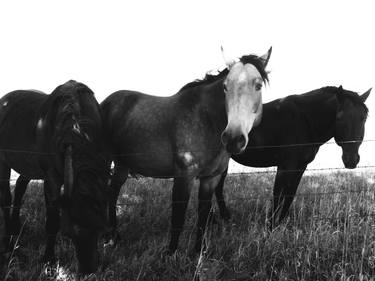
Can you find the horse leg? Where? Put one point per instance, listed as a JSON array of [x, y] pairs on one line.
[[19, 191], [290, 189], [286, 183], [206, 189], [5, 202], [52, 219], [3, 247], [119, 178], [224, 212], [180, 199]]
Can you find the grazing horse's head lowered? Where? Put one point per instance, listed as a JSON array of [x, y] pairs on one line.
[[350, 124], [243, 99], [70, 127]]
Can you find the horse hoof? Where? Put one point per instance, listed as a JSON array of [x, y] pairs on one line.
[[50, 270]]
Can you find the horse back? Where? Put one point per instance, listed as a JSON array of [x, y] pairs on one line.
[[139, 128], [18, 117], [284, 123], [18, 123]]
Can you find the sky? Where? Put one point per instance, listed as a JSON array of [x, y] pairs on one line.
[[158, 46]]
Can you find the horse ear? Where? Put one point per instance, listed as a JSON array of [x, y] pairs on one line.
[[229, 62], [365, 95], [340, 95], [266, 57]]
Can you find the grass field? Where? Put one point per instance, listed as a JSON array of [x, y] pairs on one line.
[[329, 234]]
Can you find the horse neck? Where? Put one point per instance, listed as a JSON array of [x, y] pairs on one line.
[[321, 115], [212, 105]]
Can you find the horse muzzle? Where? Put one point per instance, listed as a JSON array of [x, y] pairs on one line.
[[234, 144], [350, 160]]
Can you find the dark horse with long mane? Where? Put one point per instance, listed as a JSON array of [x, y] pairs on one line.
[[185, 136], [292, 130], [57, 138]]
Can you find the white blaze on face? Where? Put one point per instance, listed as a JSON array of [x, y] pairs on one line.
[[243, 99]]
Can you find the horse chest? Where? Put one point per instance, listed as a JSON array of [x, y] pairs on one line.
[[310, 154], [215, 166]]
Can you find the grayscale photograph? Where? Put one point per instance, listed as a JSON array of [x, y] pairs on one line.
[[187, 140]]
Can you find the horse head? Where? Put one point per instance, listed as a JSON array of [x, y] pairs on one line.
[[350, 124], [243, 99]]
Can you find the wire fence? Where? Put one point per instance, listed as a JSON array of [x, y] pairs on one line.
[[316, 217], [250, 147], [248, 173], [320, 217]]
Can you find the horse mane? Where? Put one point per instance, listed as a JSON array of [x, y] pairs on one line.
[[87, 138], [208, 78], [73, 117], [258, 62]]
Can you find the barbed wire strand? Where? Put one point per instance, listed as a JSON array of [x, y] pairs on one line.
[[237, 174], [253, 198], [267, 171], [206, 150]]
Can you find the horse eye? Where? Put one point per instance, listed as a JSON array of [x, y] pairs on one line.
[[258, 87], [225, 87]]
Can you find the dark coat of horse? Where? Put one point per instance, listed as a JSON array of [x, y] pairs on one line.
[[185, 136], [290, 134], [57, 138]]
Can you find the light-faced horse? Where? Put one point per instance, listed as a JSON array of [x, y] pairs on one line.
[[57, 138], [185, 136], [292, 130]]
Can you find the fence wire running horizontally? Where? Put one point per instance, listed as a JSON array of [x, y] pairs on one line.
[[248, 173]]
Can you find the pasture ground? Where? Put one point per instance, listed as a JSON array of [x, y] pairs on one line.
[[329, 234]]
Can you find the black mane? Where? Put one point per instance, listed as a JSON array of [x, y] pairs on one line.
[[87, 140], [258, 62], [74, 118]]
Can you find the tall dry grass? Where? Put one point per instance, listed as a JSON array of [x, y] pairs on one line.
[[329, 234]]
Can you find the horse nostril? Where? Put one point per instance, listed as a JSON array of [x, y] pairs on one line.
[[225, 138], [241, 141]]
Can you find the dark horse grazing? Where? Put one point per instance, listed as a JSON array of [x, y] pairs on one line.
[[185, 136], [290, 134], [57, 138]]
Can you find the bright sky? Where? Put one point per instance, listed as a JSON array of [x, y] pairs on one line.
[[158, 46]]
